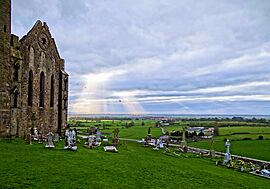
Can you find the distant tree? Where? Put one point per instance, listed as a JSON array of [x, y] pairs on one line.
[[149, 130], [194, 133], [186, 134], [142, 123], [216, 130], [201, 134]]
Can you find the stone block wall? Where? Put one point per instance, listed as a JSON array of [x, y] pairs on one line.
[[5, 69], [35, 52]]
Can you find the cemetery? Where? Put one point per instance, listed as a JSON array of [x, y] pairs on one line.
[[144, 154], [132, 68]]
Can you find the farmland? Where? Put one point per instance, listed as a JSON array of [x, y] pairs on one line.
[[244, 138]]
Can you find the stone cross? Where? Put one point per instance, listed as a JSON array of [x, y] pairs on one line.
[[227, 156], [115, 138], [184, 142]]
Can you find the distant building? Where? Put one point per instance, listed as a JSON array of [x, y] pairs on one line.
[[33, 81], [196, 129], [163, 122]]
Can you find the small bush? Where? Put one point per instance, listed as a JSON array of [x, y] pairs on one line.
[[201, 134], [247, 138], [260, 137], [237, 133]]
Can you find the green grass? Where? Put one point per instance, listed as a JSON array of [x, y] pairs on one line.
[[243, 136], [174, 128], [32, 166], [139, 132], [258, 149], [231, 130]]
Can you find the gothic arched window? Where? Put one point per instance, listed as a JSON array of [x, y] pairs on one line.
[[15, 98], [52, 92], [41, 89], [16, 72], [30, 88]]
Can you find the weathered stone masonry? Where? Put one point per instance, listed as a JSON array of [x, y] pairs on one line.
[[33, 81]]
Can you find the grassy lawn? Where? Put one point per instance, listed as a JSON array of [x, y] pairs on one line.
[[258, 149], [32, 166], [139, 132]]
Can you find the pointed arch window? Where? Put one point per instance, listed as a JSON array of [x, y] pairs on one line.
[[52, 92], [41, 89], [16, 72], [66, 84], [30, 88], [15, 97]]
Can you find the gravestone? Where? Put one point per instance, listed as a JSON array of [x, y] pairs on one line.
[[115, 138], [70, 140], [156, 145], [110, 149], [91, 141], [98, 135], [56, 137], [160, 143], [28, 139], [227, 156], [184, 142], [50, 140], [35, 136], [40, 138]]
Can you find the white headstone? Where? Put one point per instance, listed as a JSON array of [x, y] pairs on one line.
[[50, 141], [70, 139]]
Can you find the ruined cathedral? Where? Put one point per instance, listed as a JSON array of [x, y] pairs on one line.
[[33, 81]]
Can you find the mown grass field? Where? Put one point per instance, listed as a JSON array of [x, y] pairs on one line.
[[33, 166], [258, 149]]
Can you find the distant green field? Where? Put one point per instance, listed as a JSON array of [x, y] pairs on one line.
[[258, 149], [174, 128], [139, 132], [243, 136], [111, 123], [33, 166], [231, 130]]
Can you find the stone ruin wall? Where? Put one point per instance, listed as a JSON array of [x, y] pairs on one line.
[[17, 57], [5, 70], [39, 60]]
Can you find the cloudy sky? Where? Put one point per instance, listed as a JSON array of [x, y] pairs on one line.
[[159, 56]]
